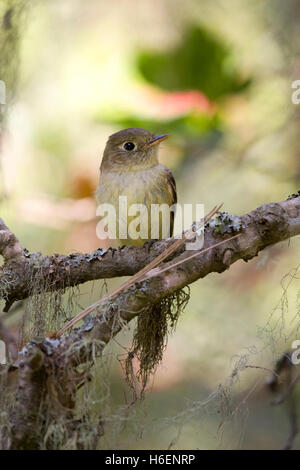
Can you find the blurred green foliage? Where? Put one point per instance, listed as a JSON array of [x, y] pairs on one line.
[[189, 125], [200, 61], [12, 19], [84, 74]]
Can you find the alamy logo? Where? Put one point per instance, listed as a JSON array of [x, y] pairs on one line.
[[138, 221], [296, 94], [295, 358], [2, 352]]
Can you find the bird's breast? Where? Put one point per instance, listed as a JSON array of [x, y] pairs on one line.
[[144, 188]]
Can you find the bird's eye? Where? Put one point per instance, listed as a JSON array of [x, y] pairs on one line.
[[129, 146]]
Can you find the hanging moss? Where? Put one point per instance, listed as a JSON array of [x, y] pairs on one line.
[[151, 335]]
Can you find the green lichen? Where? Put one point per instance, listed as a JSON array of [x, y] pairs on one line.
[[226, 223], [294, 195]]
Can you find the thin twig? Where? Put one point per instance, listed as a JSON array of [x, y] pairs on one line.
[[171, 249]]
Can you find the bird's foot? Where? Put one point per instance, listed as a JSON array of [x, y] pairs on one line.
[[150, 243]]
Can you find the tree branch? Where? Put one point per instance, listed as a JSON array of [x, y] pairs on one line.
[[9, 244], [264, 226], [23, 272]]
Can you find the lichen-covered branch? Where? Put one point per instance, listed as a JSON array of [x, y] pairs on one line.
[[264, 226], [58, 359], [19, 276], [9, 244]]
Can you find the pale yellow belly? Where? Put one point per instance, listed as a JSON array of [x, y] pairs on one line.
[[137, 199]]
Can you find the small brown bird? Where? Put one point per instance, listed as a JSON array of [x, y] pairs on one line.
[[130, 168]]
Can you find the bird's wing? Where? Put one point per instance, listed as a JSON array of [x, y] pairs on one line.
[[171, 184]]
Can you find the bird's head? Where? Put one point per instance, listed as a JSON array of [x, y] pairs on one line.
[[131, 149]]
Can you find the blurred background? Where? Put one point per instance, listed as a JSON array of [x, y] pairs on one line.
[[217, 77]]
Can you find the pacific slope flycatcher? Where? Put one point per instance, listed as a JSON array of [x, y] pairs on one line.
[[130, 168]]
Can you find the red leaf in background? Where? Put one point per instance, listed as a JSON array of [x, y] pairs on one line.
[[177, 103], [184, 102]]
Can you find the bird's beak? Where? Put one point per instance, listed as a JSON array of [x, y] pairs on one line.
[[157, 140]]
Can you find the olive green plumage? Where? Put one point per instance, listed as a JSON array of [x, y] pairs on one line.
[[130, 168]]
